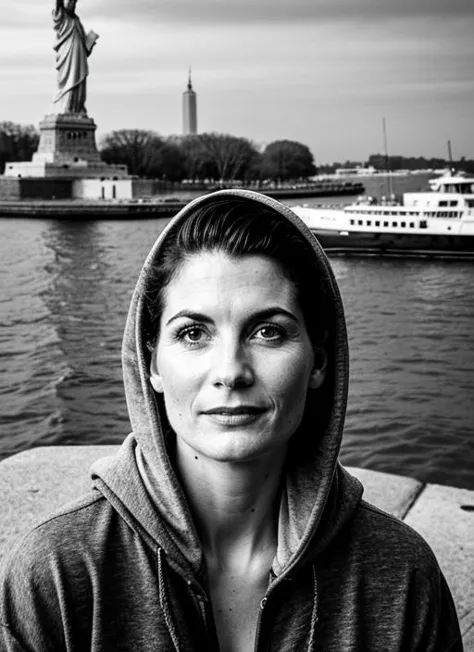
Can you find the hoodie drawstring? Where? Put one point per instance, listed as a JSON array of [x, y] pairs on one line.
[[164, 602], [314, 613]]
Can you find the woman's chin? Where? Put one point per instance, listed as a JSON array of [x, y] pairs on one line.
[[233, 446]]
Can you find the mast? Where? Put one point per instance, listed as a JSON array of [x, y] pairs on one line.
[[450, 157], [387, 160]]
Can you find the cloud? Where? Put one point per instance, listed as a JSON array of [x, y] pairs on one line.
[[27, 14], [287, 11]]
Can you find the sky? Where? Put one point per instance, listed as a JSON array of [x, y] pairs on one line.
[[321, 72]]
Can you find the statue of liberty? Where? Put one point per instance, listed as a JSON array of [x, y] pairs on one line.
[[73, 47]]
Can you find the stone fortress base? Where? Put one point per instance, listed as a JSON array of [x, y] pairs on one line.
[[66, 158], [67, 149]]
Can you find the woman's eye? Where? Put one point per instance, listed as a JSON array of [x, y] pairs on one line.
[[192, 334], [269, 333]]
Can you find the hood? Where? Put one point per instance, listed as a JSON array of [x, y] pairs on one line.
[[318, 496]]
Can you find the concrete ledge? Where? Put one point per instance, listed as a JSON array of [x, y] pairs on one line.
[[36, 482], [444, 516], [394, 494]]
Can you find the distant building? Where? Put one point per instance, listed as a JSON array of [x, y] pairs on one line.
[[189, 109]]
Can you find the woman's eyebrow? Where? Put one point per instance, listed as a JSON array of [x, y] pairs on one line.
[[273, 311], [267, 313], [196, 316]]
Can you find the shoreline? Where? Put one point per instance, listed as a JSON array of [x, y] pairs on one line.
[[164, 205]]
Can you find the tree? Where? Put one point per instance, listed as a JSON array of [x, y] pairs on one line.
[[194, 154], [17, 142], [227, 158], [135, 148], [287, 160], [168, 161]]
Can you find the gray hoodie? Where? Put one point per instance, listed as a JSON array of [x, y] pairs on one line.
[[122, 568]]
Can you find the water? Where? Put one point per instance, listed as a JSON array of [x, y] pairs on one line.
[[66, 287]]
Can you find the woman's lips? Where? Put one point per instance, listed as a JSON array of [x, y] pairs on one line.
[[235, 416]]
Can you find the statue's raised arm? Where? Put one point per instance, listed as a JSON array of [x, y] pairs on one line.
[[73, 46]]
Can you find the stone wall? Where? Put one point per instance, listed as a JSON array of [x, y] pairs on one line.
[[10, 188], [14, 188]]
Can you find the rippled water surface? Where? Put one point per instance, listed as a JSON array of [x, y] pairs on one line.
[[65, 290]]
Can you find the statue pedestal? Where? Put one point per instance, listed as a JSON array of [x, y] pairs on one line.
[[67, 138], [67, 149]]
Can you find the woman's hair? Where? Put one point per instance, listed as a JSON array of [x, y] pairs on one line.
[[239, 228]]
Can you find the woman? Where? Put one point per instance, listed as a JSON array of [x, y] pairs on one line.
[[225, 522]]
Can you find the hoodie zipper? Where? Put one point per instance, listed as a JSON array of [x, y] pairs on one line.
[[263, 602], [208, 620]]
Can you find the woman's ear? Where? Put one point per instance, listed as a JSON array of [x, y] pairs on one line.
[[318, 374], [155, 378]]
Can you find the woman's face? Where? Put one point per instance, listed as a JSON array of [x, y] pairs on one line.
[[233, 358]]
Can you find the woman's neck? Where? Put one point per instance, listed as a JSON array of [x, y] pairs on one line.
[[235, 505]]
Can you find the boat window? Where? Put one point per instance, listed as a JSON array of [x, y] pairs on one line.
[[385, 223], [369, 223], [352, 222], [412, 225], [453, 203], [377, 223], [470, 203], [443, 203], [403, 223], [394, 223]]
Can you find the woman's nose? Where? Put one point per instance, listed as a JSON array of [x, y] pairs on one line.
[[232, 367]]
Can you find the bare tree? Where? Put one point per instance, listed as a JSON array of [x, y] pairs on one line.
[[135, 148], [230, 156], [194, 155], [17, 142]]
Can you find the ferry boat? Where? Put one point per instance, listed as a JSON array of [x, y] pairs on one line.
[[438, 222]]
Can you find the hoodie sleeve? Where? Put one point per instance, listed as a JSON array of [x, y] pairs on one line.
[[46, 586], [32, 604], [434, 622], [408, 588]]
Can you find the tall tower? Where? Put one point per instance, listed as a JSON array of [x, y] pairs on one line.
[[189, 109]]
